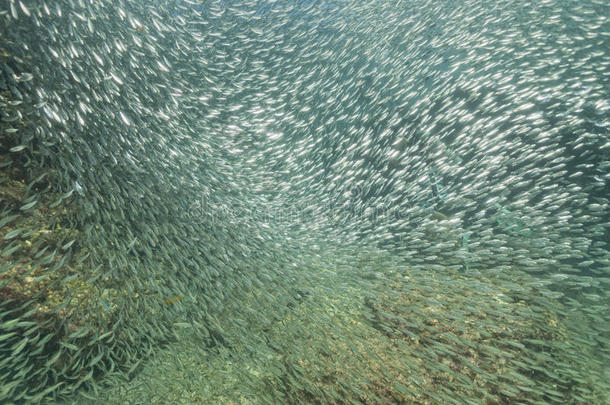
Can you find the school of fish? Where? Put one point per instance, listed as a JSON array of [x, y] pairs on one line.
[[211, 166]]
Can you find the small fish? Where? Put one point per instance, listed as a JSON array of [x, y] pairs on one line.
[[53, 359], [79, 333], [68, 346], [12, 234], [7, 335], [25, 77], [132, 243], [11, 249], [67, 245], [25, 10], [18, 148], [14, 11], [19, 346], [173, 300], [28, 206], [439, 216], [56, 203], [7, 219]]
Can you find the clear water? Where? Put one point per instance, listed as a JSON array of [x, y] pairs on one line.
[[264, 202]]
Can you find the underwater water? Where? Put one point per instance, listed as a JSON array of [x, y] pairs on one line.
[[304, 202]]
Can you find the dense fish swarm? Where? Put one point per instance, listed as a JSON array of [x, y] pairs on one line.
[[301, 201]]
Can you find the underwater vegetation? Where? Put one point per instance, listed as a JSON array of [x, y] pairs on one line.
[[304, 202]]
